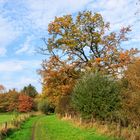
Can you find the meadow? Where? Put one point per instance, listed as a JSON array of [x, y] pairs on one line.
[[50, 127]]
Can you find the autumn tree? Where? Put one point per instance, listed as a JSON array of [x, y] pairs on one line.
[[12, 96], [85, 40], [9, 101], [4, 103], [59, 78], [25, 103], [131, 94]]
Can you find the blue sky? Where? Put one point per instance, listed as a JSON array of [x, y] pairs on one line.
[[24, 22]]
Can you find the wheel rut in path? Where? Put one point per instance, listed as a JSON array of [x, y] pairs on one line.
[[33, 129]]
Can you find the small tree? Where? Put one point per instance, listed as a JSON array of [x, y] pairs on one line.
[[12, 96], [25, 103], [96, 96], [30, 91], [4, 102]]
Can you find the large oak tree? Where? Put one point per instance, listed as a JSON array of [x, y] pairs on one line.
[[80, 43], [87, 41]]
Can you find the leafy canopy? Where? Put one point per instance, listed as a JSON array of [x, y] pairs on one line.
[[85, 40]]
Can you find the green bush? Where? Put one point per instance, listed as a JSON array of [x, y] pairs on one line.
[[96, 96], [44, 106]]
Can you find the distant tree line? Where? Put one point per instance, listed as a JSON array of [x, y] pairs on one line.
[[21, 101]]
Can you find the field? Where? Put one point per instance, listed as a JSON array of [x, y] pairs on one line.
[[6, 117], [51, 128]]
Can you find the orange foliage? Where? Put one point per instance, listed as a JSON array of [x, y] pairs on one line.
[[98, 60], [133, 75], [25, 103], [87, 41], [58, 79], [131, 94]]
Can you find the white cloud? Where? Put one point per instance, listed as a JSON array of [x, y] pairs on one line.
[[116, 11], [18, 65], [21, 82], [19, 73], [7, 35], [120, 13], [26, 47], [41, 12], [12, 66]]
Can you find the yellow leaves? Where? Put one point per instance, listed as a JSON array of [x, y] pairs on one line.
[[98, 60], [58, 78], [122, 56], [105, 59], [96, 17], [54, 27], [59, 24], [125, 58], [133, 74]]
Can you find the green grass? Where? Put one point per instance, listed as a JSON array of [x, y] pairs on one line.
[[51, 128], [6, 117], [25, 132]]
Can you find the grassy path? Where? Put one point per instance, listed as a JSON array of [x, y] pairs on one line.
[[51, 128], [34, 128], [25, 133]]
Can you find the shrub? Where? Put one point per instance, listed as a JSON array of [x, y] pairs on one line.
[[131, 94], [25, 103], [44, 106], [96, 96]]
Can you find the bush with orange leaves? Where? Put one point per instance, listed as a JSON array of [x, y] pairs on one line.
[[25, 103], [131, 95]]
